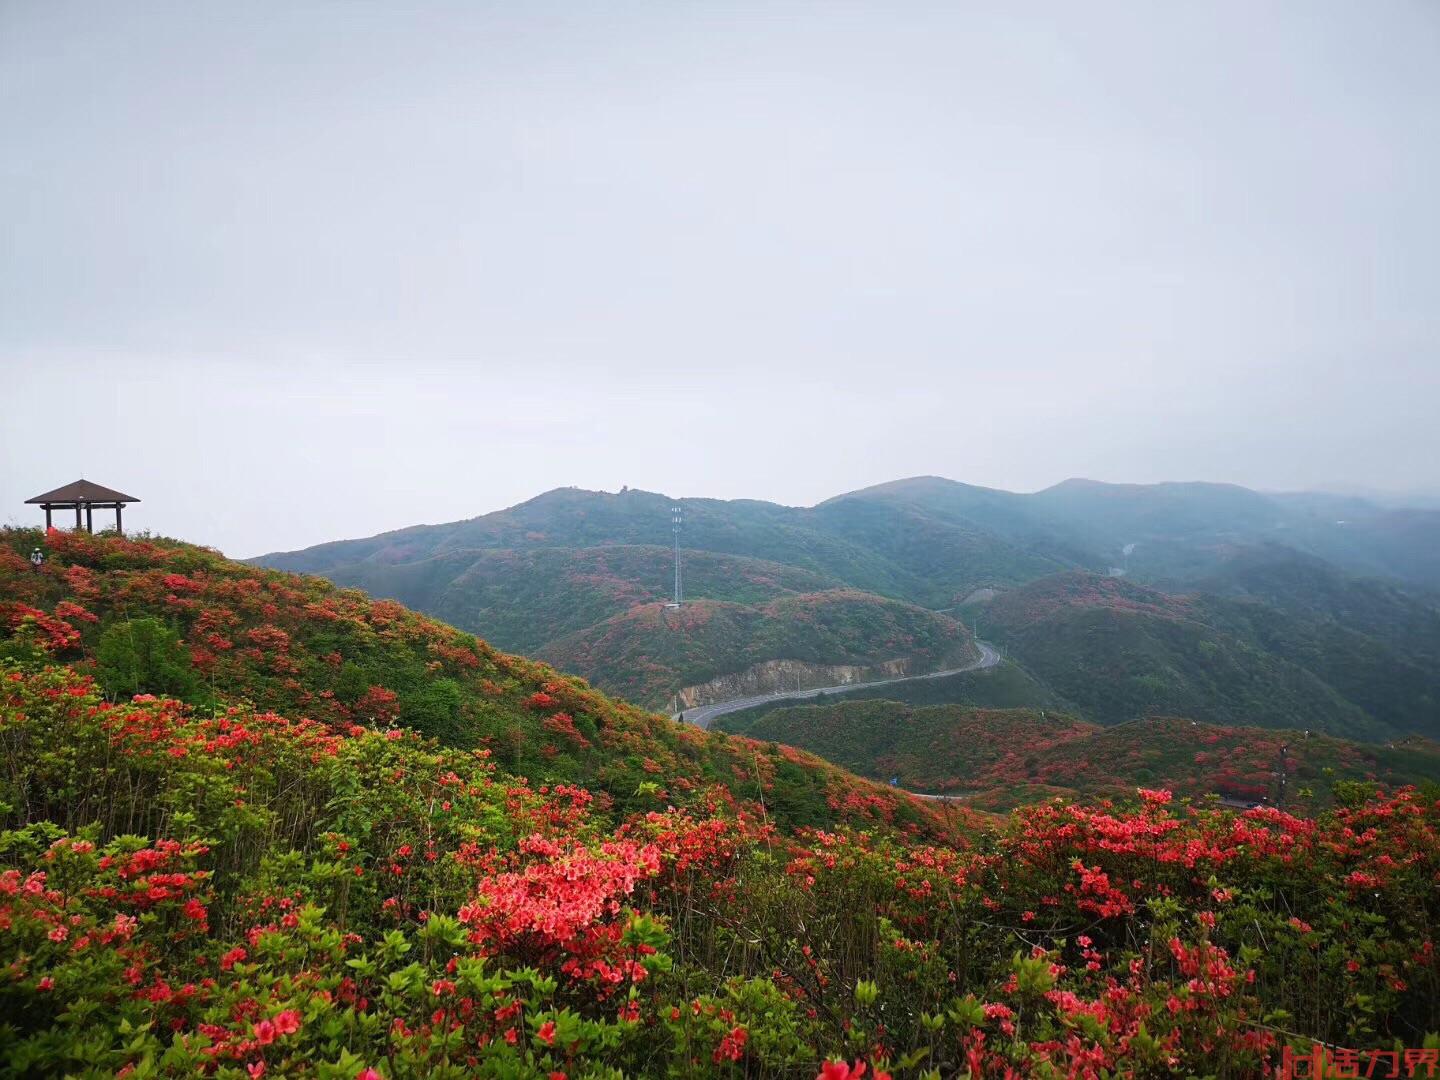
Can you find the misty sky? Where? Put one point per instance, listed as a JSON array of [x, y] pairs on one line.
[[297, 271]]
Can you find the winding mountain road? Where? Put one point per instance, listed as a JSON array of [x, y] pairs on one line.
[[701, 715]]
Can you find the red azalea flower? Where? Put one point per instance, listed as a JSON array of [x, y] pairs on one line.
[[732, 1046]]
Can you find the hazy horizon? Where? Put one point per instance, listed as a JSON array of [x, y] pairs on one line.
[[136, 522], [298, 274]]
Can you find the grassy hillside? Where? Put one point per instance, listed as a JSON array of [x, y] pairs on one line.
[[162, 617], [942, 560], [1005, 686], [885, 539], [1187, 530], [573, 518], [1375, 643], [1395, 543], [859, 540], [1396, 690], [649, 651], [1119, 651], [1012, 755], [906, 551], [1237, 762], [1007, 757], [574, 577], [1406, 621], [1177, 531], [935, 748], [523, 599], [1161, 520]]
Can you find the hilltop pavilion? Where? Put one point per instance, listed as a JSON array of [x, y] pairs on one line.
[[82, 494]]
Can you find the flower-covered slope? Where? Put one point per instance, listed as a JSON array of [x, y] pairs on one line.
[[163, 617], [237, 894]]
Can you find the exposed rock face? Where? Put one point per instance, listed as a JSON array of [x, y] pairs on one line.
[[774, 676]]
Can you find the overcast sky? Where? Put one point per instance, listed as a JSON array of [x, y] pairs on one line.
[[297, 271]]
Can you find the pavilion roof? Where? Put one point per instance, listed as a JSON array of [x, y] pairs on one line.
[[83, 491]]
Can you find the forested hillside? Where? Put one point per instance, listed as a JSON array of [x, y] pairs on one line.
[[645, 651], [1119, 651], [1278, 628]]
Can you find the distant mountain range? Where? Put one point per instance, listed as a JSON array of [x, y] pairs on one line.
[[1120, 600]]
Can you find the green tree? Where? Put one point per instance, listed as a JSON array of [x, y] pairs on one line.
[[23, 646], [434, 709], [144, 656], [351, 683], [1353, 793]]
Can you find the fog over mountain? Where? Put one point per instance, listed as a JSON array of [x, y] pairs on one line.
[[374, 265]]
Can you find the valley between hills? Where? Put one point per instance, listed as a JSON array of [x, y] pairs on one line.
[[1205, 601]]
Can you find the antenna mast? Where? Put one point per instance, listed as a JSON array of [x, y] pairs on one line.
[[677, 521]]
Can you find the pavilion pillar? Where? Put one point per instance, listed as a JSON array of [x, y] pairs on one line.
[[89, 518], [118, 530], [77, 517], [47, 518]]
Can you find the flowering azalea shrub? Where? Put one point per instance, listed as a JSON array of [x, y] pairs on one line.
[[1171, 938], [239, 894], [323, 893]]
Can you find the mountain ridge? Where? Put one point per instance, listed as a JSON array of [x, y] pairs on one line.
[[558, 572]]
